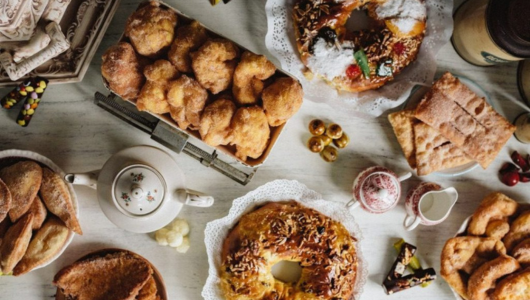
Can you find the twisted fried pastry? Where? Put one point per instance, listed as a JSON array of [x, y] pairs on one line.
[[483, 280], [494, 207], [514, 287], [519, 231]]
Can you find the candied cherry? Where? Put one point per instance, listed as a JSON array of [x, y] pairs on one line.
[[524, 177], [399, 48], [520, 161], [510, 178], [353, 71], [508, 167]]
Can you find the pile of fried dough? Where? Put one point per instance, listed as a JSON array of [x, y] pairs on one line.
[[118, 274], [491, 260], [450, 127], [33, 228], [203, 81]]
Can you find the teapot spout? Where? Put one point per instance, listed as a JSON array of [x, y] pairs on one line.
[[88, 179]]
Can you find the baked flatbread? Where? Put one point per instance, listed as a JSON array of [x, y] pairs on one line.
[[149, 291], [48, 241], [56, 196], [5, 200], [434, 152], [23, 180], [15, 243], [124, 276], [466, 120], [403, 124], [39, 212]]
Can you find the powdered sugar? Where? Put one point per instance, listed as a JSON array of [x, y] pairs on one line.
[[404, 25], [413, 9], [330, 61]]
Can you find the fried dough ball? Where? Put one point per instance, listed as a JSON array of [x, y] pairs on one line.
[[151, 29], [495, 206], [248, 76], [153, 96], [250, 132], [122, 70], [186, 98], [497, 229], [484, 278], [463, 255], [214, 64], [188, 38], [215, 122], [281, 100]]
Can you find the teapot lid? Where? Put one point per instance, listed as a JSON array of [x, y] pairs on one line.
[[380, 191], [138, 190]]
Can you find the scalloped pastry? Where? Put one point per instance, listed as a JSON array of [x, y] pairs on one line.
[[23, 180], [15, 243]]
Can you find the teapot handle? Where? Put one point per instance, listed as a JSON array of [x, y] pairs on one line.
[[405, 176], [352, 204], [411, 223], [194, 198]]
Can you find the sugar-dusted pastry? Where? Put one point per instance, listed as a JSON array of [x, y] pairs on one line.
[[5, 200], [214, 64], [250, 132], [514, 287], [494, 206], [44, 246], [153, 96], [57, 198], [39, 212], [23, 180], [188, 39], [149, 290], [498, 228], [483, 280], [434, 152], [249, 76], [215, 127], [521, 252], [4, 226], [281, 100], [151, 29], [186, 98], [519, 231], [466, 120], [15, 243], [403, 124], [122, 70]]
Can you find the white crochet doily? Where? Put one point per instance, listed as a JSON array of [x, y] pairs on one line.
[[280, 41], [278, 190]]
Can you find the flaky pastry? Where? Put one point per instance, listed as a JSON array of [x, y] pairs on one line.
[[519, 231], [403, 125], [39, 212], [514, 287], [482, 282], [521, 252], [495, 206], [23, 180]]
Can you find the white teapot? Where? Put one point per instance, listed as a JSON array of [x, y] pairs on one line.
[[141, 189]]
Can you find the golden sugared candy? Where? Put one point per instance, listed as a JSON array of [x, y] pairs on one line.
[[326, 139], [315, 144], [317, 127], [334, 131], [342, 142], [330, 154]]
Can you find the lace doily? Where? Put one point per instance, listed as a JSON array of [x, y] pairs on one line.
[[278, 190], [280, 41]]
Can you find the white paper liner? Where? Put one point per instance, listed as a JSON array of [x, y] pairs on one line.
[[280, 41], [278, 190]]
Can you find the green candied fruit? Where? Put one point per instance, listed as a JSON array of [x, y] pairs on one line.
[[31, 101]]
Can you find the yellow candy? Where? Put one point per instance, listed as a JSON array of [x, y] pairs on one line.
[[24, 112], [42, 84], [39, 90], [21, 122], [29, 89], [31, 111], [23, 93], [31, 101]]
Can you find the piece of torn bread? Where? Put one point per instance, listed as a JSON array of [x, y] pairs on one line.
[[44, 246], [434, 152], [117, 276], [465, 119], [403, 124]]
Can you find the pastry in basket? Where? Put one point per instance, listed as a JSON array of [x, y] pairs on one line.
[[498, 228], [44, 246], [361, 60], [521, 252], [215, 127], [23, 180], [39, 212], [186, 98], [149, 291], [153, 96], [188, 39], [122, 69], [483, 281], [214, 64], [151, 29], [57, 198], [281, 100], [250, 132], [466, 120], [5, 200], [519, 231], [248, 77], [495, 206], [289, 231], [119, 275], [15, 243], [4, 226], [514, 287]]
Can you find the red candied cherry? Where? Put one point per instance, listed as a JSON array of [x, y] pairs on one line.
[[524, 177], [520, 161], [510, 178], [399, 48], [353, 71], [508, 167]]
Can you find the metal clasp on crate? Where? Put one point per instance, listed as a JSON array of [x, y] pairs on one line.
[[170, 137]]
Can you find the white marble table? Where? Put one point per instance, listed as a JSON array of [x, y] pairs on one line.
[[79, 136]]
